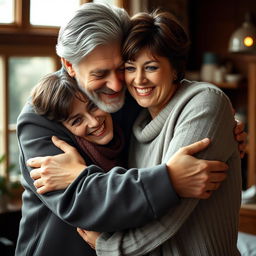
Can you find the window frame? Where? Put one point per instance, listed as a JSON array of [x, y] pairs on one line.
[[21, 39], [7, 52]]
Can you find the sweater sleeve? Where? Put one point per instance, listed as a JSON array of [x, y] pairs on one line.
[[208, 114], [96, 200]]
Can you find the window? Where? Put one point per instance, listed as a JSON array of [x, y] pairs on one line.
[[19, 75], [26, 55], [120, 3], [2, 111], [24, 73], [112, 2], [6, 11], [28, 35], [51, 12]]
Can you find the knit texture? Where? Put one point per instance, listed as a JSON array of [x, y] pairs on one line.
[[194, 227]]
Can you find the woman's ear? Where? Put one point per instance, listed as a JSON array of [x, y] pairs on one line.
[[69, 67]]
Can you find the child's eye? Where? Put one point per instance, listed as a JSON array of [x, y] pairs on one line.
[[76, 121]]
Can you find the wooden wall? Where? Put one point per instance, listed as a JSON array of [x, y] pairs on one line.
[[211, 23]]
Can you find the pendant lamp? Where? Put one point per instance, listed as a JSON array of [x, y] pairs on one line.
[[243, 40]]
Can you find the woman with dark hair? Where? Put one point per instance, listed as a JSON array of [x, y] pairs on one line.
[[177, 112]]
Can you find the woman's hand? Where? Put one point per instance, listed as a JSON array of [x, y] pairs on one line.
[[192, 177], [56, 172], [241, 137], [89, 237]]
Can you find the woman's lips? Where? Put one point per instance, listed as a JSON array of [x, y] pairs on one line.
[[144, 91]]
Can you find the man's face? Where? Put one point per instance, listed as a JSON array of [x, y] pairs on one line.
[[100, 74]]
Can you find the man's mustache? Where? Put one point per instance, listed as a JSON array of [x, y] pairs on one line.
[[107, 90]]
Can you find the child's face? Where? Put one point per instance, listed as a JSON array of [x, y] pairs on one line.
[[90, 123]]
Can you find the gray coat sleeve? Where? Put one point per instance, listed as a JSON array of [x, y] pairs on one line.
[[96, 200], [209, 115]]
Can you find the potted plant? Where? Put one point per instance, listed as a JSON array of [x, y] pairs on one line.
[[10, 190], [4, 190]]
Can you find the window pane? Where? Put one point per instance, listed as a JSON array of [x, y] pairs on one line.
[[24, 73], [1, 111], [112, 2], [51, 12], [14, 169], [6, 11]]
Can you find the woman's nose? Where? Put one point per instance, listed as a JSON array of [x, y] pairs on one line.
[[140, 78]]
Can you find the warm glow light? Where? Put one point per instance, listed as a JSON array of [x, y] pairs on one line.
[[248, 41]]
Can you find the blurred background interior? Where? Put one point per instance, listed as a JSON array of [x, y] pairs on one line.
[[223, 51]]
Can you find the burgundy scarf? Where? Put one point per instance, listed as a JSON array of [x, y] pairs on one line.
[[105, 156]]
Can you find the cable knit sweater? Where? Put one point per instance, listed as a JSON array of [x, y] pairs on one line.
[[194, 227]]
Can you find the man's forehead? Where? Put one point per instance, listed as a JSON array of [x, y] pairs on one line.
[[105, 53], [104, 65]]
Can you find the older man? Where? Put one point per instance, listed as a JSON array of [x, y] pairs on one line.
[[89, 46]]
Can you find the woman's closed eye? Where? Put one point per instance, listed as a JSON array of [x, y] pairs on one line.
[[129, 68]]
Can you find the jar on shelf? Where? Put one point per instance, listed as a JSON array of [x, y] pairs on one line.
[[209, 66]]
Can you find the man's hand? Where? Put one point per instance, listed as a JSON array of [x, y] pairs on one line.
[[241, 137], [56, 172], [89, 237], [192, 177]]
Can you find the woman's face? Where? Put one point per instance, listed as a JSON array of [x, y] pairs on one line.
[[149, 80], [89, 122]]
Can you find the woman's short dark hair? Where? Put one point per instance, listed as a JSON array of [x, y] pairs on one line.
[[54, 94], [162, 35]]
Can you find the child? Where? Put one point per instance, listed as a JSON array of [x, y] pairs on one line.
[[59, 98]]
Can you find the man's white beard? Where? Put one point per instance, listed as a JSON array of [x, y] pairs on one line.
[[110, 107], [107, 107]]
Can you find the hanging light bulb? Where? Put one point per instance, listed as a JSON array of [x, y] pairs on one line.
[[244, 38]]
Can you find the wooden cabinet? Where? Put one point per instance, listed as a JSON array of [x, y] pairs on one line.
[[248, 219]]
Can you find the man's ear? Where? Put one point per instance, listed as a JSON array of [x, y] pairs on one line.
[[69, 67]]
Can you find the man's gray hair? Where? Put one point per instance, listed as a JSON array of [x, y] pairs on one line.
[[93, 24]]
